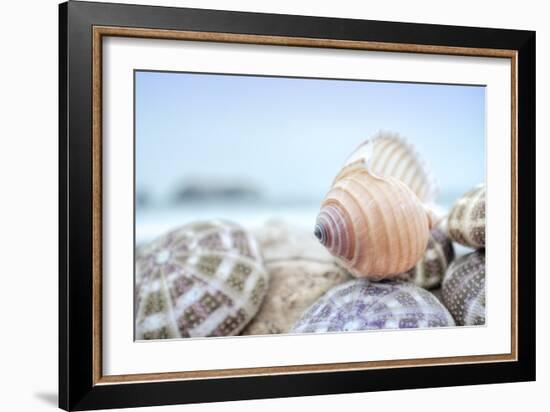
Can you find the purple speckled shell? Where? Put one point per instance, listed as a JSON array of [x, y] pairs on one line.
[[463, 290], [362, 305]]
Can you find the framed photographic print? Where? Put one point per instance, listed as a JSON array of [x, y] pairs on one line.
[[257, 205]]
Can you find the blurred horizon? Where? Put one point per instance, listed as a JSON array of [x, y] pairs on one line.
[[209, 144]]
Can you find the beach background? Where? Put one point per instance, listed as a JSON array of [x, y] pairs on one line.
[[254, 149]]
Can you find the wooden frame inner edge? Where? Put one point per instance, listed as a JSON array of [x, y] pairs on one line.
[[99, 31]]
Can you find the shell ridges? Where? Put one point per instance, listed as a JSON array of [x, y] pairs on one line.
[[377, 227]]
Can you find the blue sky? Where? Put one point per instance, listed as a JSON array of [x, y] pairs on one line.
[[289, 137]]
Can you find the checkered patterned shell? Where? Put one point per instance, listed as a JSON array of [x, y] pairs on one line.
[[363, 305], [430, 269], [467, 219], [203, 279], [463, 290]]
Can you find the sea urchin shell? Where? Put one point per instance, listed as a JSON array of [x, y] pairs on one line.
[[363, 305], [203, 279]]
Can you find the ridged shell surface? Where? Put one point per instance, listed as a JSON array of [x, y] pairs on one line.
[[388, 154], [430, 269], [203, 279], [364, 305], [377, 227], [467, 219], [463, 291]]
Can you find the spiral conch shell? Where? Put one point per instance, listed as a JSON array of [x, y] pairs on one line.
[[373, 220]]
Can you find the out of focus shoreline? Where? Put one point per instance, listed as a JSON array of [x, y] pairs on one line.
[[154, 220]]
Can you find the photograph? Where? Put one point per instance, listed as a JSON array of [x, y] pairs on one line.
[[259, 205], [287, 205]]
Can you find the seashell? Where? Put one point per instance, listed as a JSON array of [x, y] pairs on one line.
[[203, 279], [300, 271], [387, 154], [430, 269], [467, 219], [376, 226], [463, 291], [363, 305]]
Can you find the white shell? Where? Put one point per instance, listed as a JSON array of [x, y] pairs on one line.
[[387, 154]]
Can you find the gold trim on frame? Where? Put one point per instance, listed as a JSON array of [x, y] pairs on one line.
[[100, 31]]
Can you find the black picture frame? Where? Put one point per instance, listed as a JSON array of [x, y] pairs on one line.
[[77, 390]]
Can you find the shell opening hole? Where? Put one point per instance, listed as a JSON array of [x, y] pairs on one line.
[[320, 234]]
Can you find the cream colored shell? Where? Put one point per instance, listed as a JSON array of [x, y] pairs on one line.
[[387, 154], [467, 219]]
